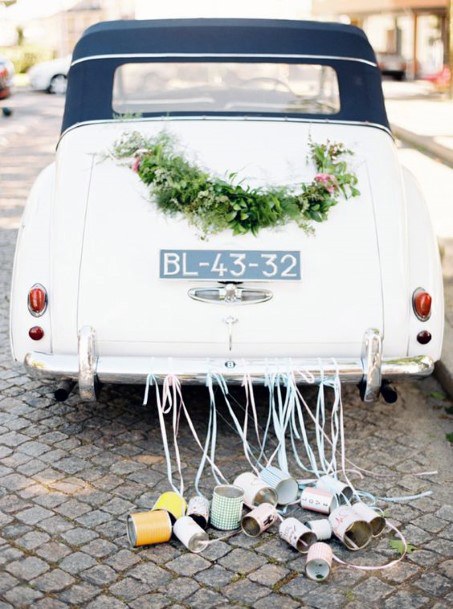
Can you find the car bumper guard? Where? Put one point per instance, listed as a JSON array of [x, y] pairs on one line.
[[87, 368]]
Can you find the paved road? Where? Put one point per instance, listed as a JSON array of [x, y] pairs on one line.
[[70, 473]]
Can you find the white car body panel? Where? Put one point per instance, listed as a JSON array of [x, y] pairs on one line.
[[106, 237]]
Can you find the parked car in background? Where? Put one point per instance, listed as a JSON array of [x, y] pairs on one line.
[[392, 64], [50, 76], [6, 77], [108, 287]]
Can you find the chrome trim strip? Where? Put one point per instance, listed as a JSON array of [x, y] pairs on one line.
[[87, 364], [230, 294], [371, 359], [222, 55], [202, 117]]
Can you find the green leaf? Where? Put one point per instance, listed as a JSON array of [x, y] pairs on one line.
[[438, 395], [398, 546], [231, 216]]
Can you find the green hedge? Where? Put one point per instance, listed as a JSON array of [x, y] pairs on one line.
[[24, 57]]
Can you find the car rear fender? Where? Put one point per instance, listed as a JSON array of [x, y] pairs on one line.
[[31, 266], [424, 270]]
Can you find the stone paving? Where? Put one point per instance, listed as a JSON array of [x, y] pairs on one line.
[[70, 473]]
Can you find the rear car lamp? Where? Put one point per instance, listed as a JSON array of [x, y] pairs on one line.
[[36, 333], [421, 303], [37, 300], [424, 337]]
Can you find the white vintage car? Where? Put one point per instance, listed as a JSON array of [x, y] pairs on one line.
[[110, 286]]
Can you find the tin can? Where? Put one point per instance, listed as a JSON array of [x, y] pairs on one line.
[[318, 500], [226, 507], [319, 562], [256, 491], [351, 529], [148, 528], [321, 528], [286, 487], [337, 487], [198, 510], [190, 534], [259, 519], [296, 534], [375, 520], [173, 503]]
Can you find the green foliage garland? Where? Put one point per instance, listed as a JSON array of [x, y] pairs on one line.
[[213, 204]]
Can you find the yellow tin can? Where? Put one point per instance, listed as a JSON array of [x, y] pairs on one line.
[[173, 503], [149, 528]]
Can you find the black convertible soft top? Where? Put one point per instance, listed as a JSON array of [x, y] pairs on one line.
[[106, 46]]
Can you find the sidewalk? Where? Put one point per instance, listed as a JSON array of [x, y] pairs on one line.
[[426, 123]]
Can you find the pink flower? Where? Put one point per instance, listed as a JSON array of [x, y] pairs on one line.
[[327, 180], [136, 164]]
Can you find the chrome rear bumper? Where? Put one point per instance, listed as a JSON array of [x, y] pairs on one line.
[[87, 367]]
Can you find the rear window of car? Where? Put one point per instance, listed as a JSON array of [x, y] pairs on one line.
[[210, 87]]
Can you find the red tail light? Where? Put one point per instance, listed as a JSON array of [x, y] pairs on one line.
[[37, 300], [36, 333], [424, 337], [421, 303]]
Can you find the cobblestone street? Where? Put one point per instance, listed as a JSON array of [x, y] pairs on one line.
[[71, 472]]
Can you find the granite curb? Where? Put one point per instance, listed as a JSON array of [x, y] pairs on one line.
[[443, 370], [424, 143]]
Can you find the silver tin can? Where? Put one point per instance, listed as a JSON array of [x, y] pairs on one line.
[[319, 562], [198, 510], [351, 529], [337, 487], [256, 491], [259, 519], [375, 520], [296, 534], [321, 528], [286, 487], [190, 534], [318, 500]]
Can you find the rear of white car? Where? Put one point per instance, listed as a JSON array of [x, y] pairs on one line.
[[131, 291], [50, 76]]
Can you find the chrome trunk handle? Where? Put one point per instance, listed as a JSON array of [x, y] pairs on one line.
[[230, 294]]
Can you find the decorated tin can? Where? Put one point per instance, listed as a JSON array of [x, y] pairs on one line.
[[148, 528], [256, 491], [318, 500], [321, 528], [226, 507], [375, 520], [286, 487], [351, 529], [198, 510], [319, 561], [259, 519], [173, 502], [337, 487], [296, 534], [190, 534]]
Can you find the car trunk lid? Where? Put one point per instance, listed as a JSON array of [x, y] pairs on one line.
[[135, 311]]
